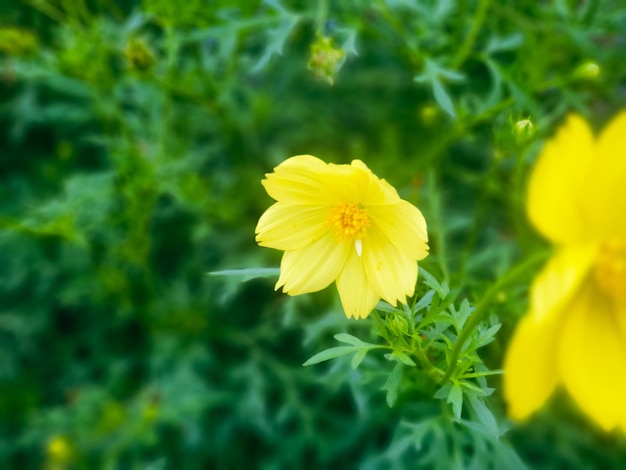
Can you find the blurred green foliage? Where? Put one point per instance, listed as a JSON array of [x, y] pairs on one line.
[[133, 137]]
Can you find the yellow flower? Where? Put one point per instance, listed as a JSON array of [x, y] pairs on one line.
[[575, 332], [342, 223]]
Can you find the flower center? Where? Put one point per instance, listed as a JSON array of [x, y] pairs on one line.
[[610, 268], [350, 221]]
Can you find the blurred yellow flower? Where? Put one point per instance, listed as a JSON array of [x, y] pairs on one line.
[[342, 223], [59, 449], [575, 332]]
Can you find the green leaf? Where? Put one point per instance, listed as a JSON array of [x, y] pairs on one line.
[[455, 398], [484, 415], [487, 336], [424, 301], [433, 74], [431, 282], [349, 44], [392, 383], [331, 353], [442, 98], [247, 273], [496, 43], [277, 39], [353, 340], [402, 357], [358, 357], [443, 392], [385, 307], [462, 314]]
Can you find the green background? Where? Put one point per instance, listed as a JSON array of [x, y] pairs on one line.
[[133, 138]]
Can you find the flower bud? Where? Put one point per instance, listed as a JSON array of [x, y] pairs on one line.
[[397, 324], [524, 129], [138, 55], [587, 71], [325, 59], [58, 449], [429, 114]]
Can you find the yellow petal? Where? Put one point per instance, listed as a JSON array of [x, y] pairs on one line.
[[606, 192], [299, 180], [313, 268], [560, 278], [346, 183], [557, 190], [391, 274], [404, 225], [290, 227], [375, 190], [530, 366], [358, 298], [592, 357]]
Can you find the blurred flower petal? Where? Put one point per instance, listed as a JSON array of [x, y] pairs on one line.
[[557, 184], [530, 369]]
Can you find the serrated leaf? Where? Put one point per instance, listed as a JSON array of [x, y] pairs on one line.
[[486, 336], [402, 357], [392, 383], [331, 353], [424, 301], [277, 39], [445, 288], [461, 315], [443, 392], [431, 282], [455, 398], [484, 415]]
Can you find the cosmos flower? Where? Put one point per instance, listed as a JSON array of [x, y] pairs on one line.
[[342, 223], [575, 332]]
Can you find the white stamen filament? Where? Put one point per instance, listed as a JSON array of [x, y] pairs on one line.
[[359, 246]]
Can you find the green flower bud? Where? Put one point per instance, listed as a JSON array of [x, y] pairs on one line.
[[429, 114], [524, 129], [397, 324], [138, 55], [587, 71], [325, 59], [58, 449]]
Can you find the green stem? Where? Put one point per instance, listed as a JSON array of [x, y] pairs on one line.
[[481, 308], [468, 43], [436, 221], [320, 17], [433, 372]]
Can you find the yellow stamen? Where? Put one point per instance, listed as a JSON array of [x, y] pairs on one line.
[[610, 268], [350, 221]]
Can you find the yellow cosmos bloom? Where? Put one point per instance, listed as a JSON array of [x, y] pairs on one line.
[[342, 223], [575, 332]]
